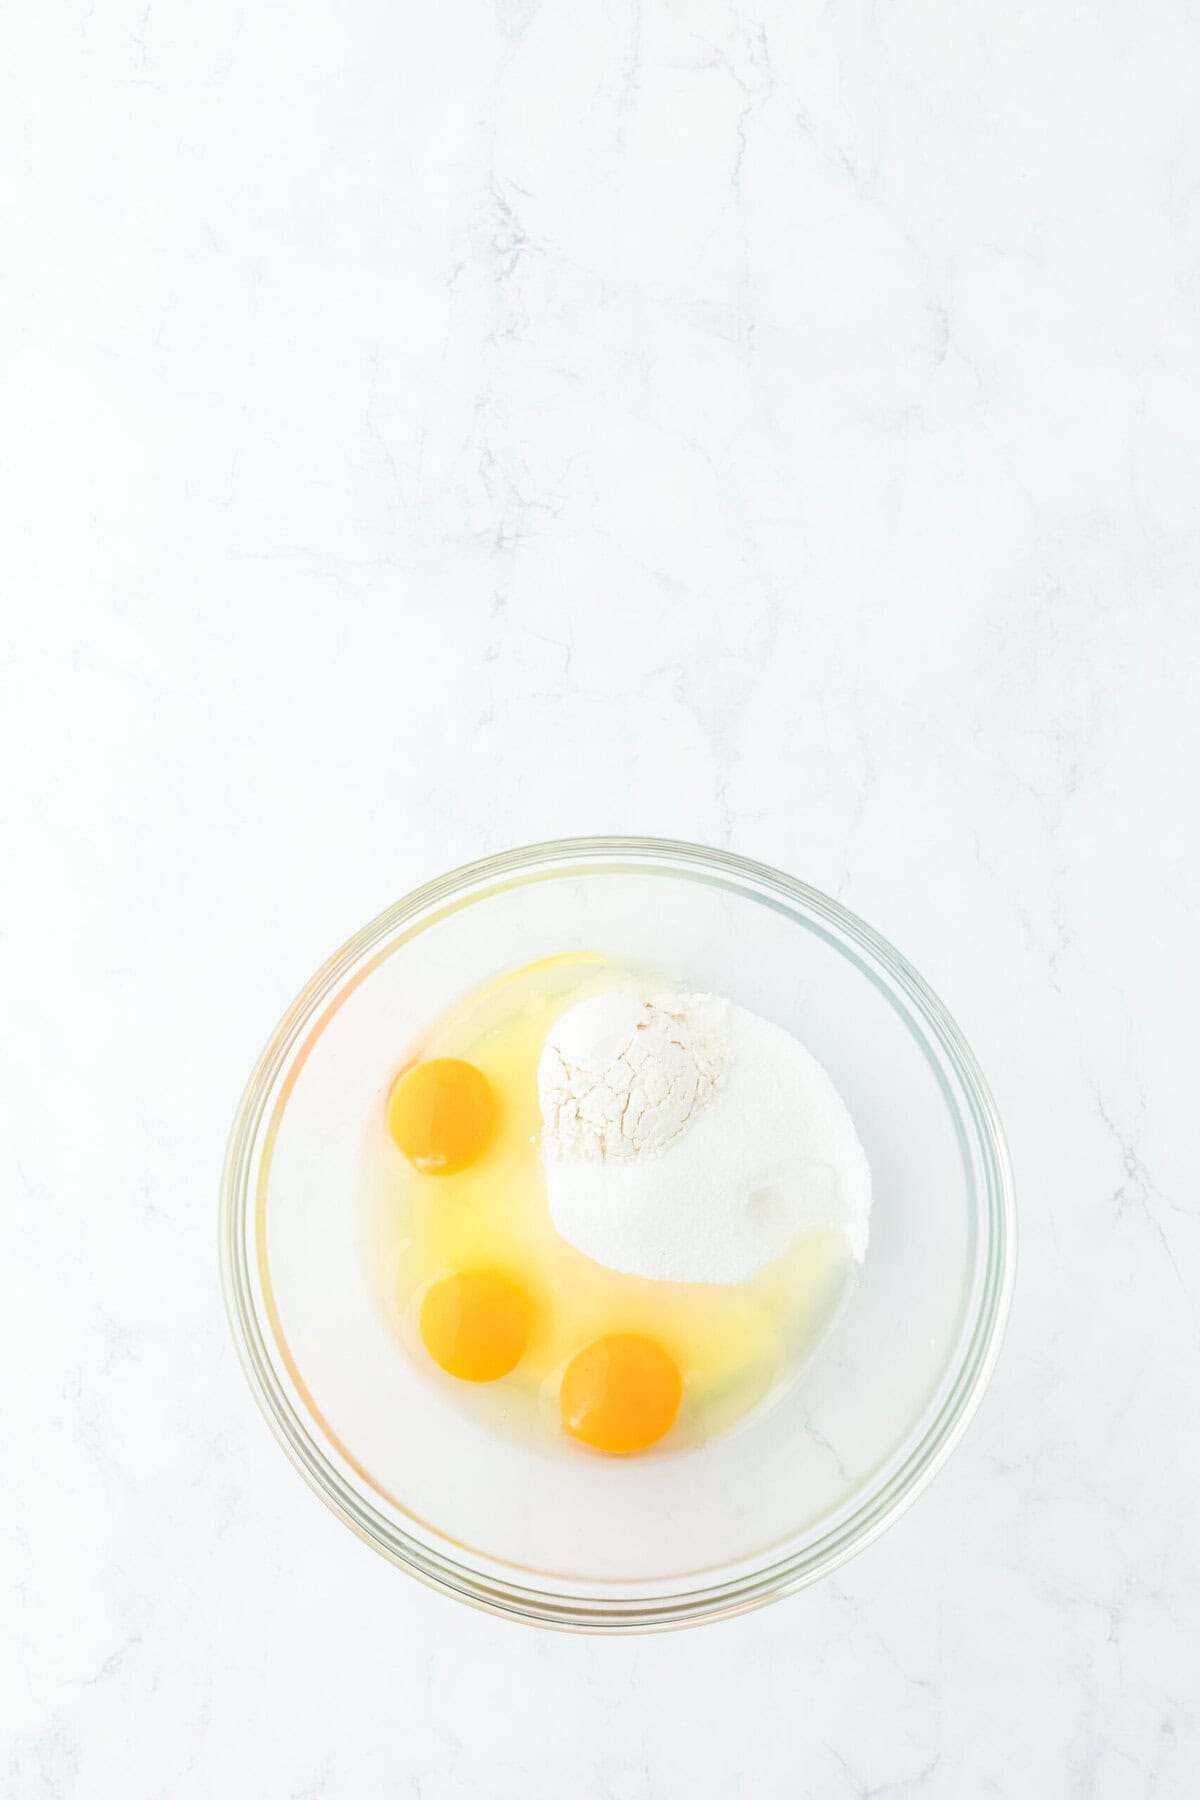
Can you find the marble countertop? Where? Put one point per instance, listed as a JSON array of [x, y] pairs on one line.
[[434, 429]]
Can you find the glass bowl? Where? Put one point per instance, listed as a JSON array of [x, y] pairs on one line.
[[635, 1544]]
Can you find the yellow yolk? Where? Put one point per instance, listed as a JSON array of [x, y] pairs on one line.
[[620, 1394], [442, 1115], [468, 1270], [475, 1324]]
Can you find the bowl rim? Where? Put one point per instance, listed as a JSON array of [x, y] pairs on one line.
[[593, 1611]]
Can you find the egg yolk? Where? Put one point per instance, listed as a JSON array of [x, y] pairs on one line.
[[475, 1324], [620, 1394], [442, 1114]]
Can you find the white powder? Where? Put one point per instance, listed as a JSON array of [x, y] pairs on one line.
[[621, 1075], [687, 1139]]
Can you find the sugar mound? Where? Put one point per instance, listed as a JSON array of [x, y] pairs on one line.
[[687, 1139]]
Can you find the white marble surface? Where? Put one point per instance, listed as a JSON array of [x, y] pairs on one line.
[[433, 428]]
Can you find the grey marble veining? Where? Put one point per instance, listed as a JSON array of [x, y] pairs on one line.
[[432, 429]]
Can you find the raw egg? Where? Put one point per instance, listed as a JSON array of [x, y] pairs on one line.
[[475, 1324], [620, 1394], [451, 1263], [442, 1114]]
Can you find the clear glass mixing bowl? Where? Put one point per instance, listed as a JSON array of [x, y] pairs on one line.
[[623, 1544]]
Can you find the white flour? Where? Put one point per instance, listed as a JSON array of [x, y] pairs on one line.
[[687, 1139], [621, 1075]]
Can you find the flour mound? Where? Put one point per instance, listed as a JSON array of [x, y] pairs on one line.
[[622, 1076]]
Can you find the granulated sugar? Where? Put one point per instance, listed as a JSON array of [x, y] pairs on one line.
[[686, 1139]]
